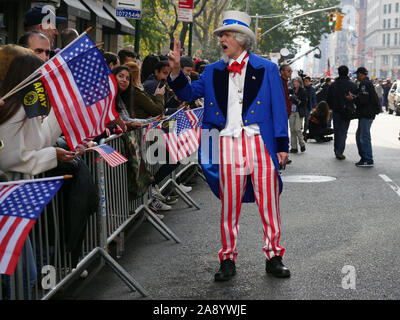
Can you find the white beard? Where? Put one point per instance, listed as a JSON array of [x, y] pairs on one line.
[[225, 58]]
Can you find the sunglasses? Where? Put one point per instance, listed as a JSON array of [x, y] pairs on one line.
[[39, 51]]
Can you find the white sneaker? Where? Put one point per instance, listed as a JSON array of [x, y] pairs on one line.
[[185, 188], [159, 205], [156, 194]]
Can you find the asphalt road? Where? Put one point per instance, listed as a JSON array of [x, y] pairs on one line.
[[339, 234]]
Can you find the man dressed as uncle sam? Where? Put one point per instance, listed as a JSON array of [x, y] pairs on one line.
[[244, 101]]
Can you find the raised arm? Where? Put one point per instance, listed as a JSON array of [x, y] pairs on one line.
[[174, 58]]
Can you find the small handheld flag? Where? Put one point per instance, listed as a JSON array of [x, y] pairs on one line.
[[20, 206], [112, 157]]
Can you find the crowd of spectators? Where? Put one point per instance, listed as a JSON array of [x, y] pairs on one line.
[[32, 146]]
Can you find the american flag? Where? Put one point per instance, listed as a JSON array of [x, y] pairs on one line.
[[196, 119], [20, 207], [113, 157], [180, 137], [82, 91]]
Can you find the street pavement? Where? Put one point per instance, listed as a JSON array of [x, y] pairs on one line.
[[341, 237]]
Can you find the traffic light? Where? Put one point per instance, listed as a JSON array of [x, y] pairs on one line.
[[331, 22], [258, 35], [339, 21]]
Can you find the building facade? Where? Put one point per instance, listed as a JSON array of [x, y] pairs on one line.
[[383, 38], [361, 30], [81, 14]]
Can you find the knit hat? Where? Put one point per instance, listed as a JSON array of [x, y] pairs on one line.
[[187, 61]]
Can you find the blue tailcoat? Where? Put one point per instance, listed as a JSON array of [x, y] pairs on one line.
[[263, 104]]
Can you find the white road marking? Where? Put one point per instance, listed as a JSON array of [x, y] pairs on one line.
[[391, 184]]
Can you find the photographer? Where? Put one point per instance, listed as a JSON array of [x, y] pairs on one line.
[[298, 99]]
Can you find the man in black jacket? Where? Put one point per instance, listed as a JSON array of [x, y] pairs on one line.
[[337, 99], [368, 107]]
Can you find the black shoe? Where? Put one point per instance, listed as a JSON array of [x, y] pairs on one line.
[[226, 270], [306, 136], [303, 148], [340, 157], [276, 267], [293, 151], [288, 161]]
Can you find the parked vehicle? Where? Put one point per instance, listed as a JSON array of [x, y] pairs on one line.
[[394, 98]]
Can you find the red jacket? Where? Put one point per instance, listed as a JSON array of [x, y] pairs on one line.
[[288, 103]]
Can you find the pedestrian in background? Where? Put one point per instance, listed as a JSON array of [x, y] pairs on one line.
[[311, 101], [286, 73], [337, 100], [379, 91], [386, 89], [298, 99], [367, 108], [319, 118]]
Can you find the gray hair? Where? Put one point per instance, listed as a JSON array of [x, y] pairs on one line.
[[244, 40], [299, 80]]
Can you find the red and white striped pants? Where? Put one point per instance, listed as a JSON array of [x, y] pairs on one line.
[[239, 157]]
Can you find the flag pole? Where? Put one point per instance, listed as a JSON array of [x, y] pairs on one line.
[[38, 69], [22, 86], [68, 176]]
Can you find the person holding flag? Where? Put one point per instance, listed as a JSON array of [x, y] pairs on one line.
[[28, 142], [244, 102]]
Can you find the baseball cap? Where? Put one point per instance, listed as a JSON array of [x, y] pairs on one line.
[[362, 70], [35, 16]]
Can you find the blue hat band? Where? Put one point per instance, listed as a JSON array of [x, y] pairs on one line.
[[232, 21]]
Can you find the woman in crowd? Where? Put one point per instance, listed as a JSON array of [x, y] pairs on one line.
[[28, 143], [148, 66], [144, 105], [298, 99], [318, 125], [129, 97]]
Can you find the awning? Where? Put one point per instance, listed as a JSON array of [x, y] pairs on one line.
[[102, 17], [77, 9], [124, 25]]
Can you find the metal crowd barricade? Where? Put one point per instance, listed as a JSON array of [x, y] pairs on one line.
[[45, 266]]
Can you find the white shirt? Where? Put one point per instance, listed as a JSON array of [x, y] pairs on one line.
[[234, 122], [28, 146]]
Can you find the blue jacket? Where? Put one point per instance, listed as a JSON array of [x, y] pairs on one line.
[[263, 104]]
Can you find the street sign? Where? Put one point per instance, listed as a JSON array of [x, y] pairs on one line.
[[131, 9], [185, 10]]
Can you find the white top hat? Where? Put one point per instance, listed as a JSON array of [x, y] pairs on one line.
[[236, 21]]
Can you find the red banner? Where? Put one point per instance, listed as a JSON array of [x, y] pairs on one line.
[[185, 4], [185, 10]]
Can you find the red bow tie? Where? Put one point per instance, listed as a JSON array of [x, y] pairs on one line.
[[236, 67]]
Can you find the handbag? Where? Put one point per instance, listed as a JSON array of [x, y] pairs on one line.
[[349, 111]]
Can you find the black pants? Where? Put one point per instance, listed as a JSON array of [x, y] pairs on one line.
[[319, 133], [164, 171]]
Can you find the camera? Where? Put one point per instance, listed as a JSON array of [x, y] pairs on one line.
[[301, 74], [293, 99]]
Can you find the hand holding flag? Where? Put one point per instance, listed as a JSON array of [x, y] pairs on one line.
[[21, 203], [112, 157]]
